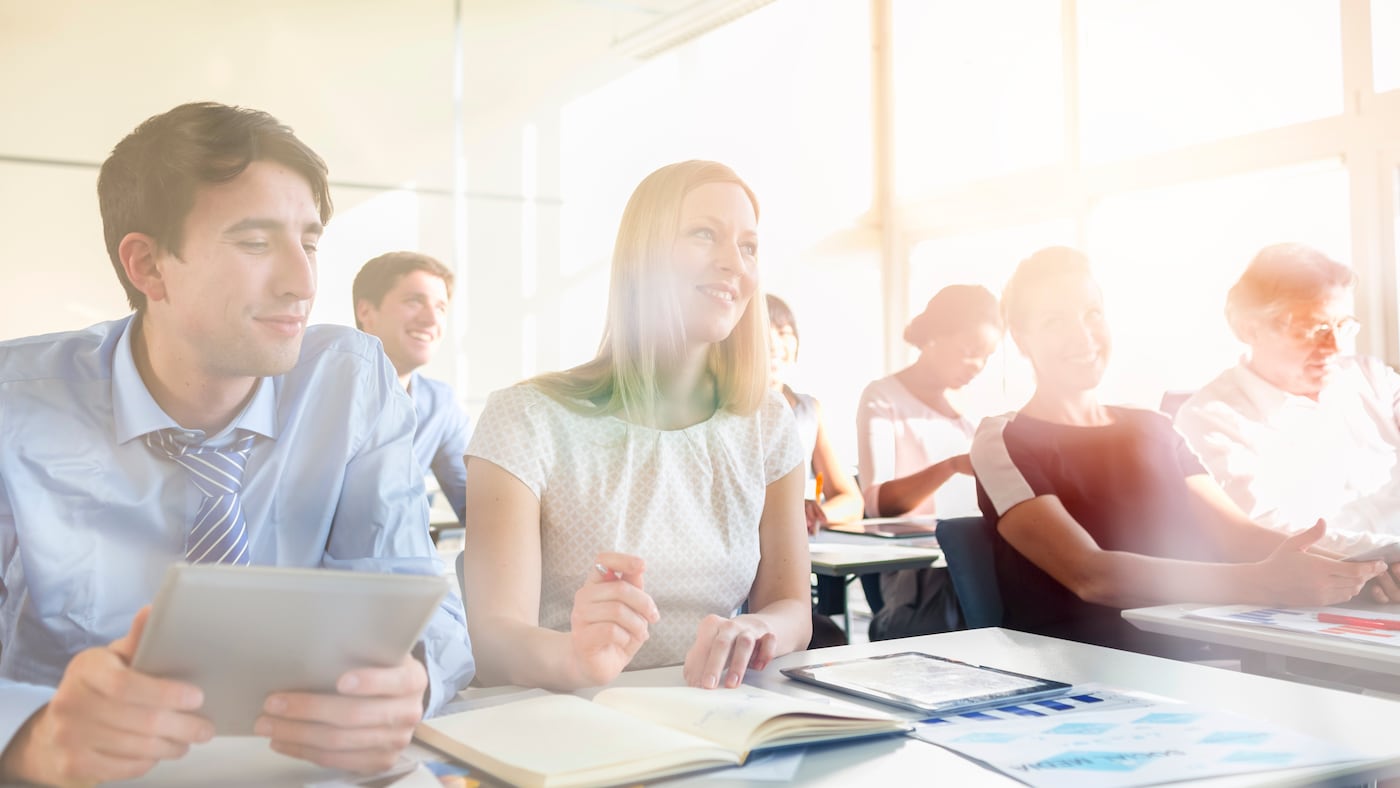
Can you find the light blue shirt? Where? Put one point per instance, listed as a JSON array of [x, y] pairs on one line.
[[440, 442], [91, 517]]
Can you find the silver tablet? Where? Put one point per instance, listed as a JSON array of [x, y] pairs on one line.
[[241, 632]]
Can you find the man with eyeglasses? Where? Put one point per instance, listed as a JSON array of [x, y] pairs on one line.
[[1302, 428]]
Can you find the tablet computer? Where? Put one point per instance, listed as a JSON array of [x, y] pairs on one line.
[[241, 632], [923, 682], [889, 527], [1389, 553]]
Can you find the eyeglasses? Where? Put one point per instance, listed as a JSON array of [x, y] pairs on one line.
[[1339, 330]]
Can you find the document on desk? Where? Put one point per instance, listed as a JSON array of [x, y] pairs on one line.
[[1135, 741], [1362, 625]]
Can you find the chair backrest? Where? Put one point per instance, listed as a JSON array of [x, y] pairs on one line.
[[967, 548]]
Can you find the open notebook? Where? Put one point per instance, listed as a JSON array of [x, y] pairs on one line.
[[629, 734]]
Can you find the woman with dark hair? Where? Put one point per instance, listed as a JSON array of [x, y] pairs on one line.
[[913, 442], [913, 447], [1095, 508], [841, 499]]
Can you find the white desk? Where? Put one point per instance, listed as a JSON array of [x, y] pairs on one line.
[[1363, 665], [1356, 720], [836, 554]]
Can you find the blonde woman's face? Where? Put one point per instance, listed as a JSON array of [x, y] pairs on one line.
[[714, 259]]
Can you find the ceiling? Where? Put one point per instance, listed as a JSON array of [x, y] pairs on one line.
[[371, 82]]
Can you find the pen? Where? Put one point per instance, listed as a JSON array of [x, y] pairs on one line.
[[1357, 621], [817, 496]]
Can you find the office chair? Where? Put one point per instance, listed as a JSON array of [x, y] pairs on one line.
[[967, 549]]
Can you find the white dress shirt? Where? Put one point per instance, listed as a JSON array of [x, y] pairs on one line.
[[1288, 460]]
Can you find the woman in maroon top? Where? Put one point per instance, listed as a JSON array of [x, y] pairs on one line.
[[1098, 508]]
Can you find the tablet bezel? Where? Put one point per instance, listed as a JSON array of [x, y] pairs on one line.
[[242, 632], [1042, 688]]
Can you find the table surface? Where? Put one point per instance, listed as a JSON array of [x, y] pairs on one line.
[[840, 554], [1176, 620], [1341, 717]]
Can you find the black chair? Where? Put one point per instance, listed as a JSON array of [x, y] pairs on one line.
[[967, 549]]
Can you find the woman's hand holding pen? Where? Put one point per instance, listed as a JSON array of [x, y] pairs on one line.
[[610, 619], [725, 648]]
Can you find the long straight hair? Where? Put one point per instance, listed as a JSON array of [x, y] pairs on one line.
[[645, 326]]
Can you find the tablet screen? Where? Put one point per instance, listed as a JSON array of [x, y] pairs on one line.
[[927, 683]]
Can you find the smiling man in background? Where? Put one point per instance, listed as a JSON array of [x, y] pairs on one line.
[[402, 298]]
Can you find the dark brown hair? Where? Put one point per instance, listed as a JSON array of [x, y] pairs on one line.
[[378, 276], [953, 308], [148, 183]]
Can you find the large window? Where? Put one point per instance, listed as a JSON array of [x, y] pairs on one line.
[[1160, 74], [1166, 258], [978, 90]]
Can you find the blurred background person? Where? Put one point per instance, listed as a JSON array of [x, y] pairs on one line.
[[913, 445], [1096, 508], [840, 497], [402, 298], [1301, 428]]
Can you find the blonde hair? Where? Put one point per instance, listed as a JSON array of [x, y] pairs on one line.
[[644, 326]]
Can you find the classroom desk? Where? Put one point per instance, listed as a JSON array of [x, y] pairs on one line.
[[1328, 714], [840, 555], [1275, 652]]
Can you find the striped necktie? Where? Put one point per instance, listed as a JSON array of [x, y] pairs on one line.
[[220, 534]]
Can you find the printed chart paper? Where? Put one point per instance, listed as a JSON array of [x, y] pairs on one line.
[[1305, 619], [1131, 746]]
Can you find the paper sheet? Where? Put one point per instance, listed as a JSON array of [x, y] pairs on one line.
[[1129, 746]]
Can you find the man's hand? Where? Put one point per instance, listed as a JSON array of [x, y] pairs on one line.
[[363, 727], [106, 721]]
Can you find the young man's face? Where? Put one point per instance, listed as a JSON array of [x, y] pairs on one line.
[[238, 291], [409, 320]]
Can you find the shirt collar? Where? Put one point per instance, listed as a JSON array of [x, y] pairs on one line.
[[135, 412], [1268, 397]]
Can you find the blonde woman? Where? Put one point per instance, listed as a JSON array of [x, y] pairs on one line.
[[619, 514]]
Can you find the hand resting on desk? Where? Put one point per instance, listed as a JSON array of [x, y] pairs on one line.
[[107, 721], [737, 644]]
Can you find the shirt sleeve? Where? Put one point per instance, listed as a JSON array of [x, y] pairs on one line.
[[1372, 519], [450, 461], [782, 448], [1007, 471], [875, 445], [1215, 432], [513, 433], [1186, 460], [18, 700], [381, 525]]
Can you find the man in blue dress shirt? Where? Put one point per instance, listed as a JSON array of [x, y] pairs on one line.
[[402, 298], [211, 216]]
